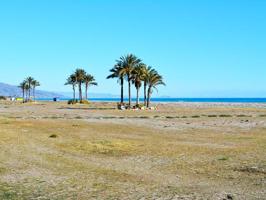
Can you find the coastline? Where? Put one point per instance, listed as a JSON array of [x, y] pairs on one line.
[[174, 100]]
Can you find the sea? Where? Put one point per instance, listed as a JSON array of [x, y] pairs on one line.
[[173, 100]]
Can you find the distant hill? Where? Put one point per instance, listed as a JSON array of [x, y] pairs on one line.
[[11, 90]]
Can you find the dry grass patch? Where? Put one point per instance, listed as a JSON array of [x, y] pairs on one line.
[[110, 154]]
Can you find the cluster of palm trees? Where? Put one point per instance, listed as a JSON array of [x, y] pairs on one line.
[[28, 87], [134, 71], [79, 78]]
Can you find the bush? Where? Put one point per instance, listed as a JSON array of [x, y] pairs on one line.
[[195, 116], [212, 115], [225, 116], [53, 136], [2, 98], [223, 158], [84, 102], [244, 116], [72, 101], [139, 106]]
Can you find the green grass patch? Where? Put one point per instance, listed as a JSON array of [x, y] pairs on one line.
[[223, 158], [225, 116], [212, 115], [243, 116], [195, 116]]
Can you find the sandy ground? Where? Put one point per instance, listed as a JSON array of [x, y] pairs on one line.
[[180, 151]]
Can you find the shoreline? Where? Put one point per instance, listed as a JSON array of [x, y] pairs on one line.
[[174, 100]]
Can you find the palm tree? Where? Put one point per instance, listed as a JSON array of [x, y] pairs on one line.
[[145, 70], [80, 74], [153, 80], [128, 63], [72, 80], [137, 77], [27, 88], [22, 86], [29, 80], [34, 84], [115, 73], [88, 81]]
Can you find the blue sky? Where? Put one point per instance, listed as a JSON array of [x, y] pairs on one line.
[[202, 48]]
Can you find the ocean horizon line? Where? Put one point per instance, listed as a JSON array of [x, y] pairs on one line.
[[176, 100]]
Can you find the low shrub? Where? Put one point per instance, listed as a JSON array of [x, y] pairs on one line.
[[75, 101], [223, 158], [243, 115], [2, 98], [84, 102], [225, 116], [53, 136], [195, 116], [212, 115], [139, 106], [72, 101]]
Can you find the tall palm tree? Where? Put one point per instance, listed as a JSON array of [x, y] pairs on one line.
[[27, 88], [88, 81], [128, 63], [80, 74], [34, 84], [153, 80], [22, 86], [145, 70], [137, 77], [115, 73], [72, 80], [29, 80]]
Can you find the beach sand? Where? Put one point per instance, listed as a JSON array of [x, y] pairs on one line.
[[51, 150]]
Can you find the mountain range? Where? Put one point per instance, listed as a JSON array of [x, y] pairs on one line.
[[15, 91]]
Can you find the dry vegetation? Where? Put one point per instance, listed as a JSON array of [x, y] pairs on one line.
[[182, 151]]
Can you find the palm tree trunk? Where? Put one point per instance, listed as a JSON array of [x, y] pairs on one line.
[[29, 93], [137, 100], [74, 92], [129, 93], [86, 91], [122, 90], [33, 90], [23, 95], [149, 97], [26, 97], [80, 92], [145, 93]]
